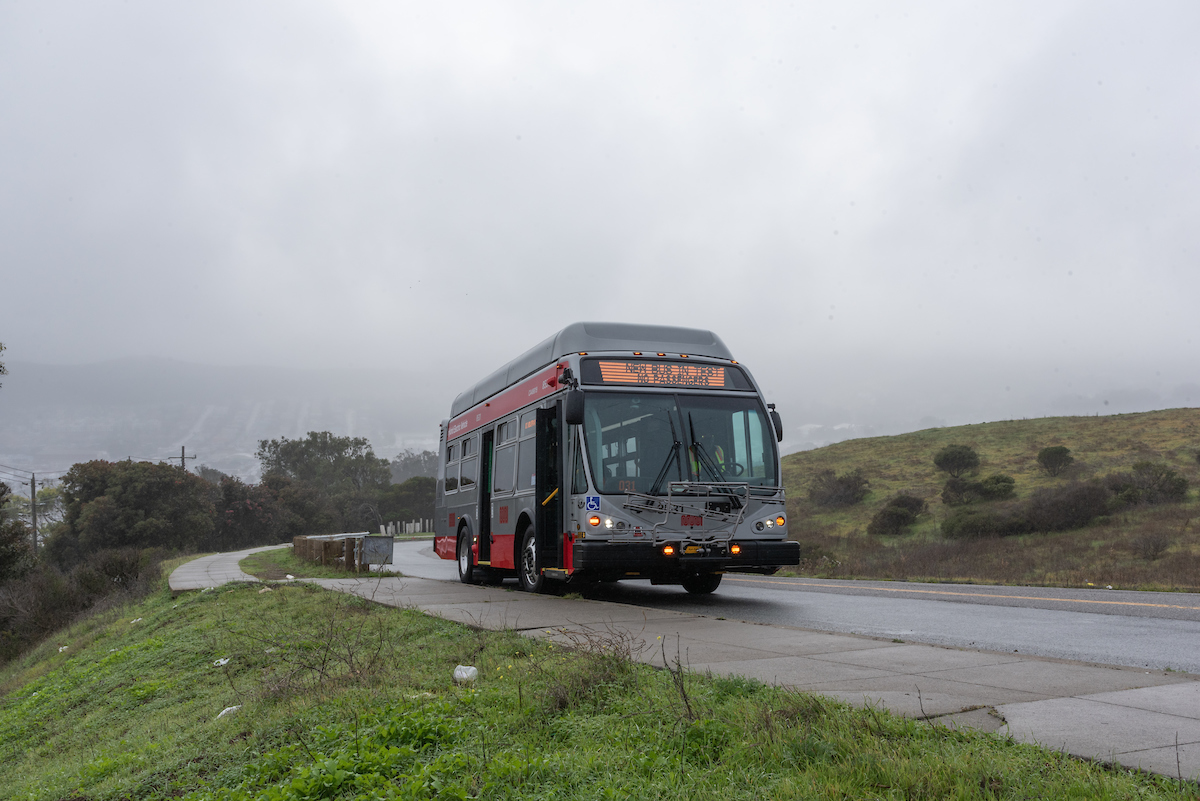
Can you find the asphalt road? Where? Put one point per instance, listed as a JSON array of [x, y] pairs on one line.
[[1156, 631]]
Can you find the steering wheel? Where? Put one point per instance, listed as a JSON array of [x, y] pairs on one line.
[[736, 468]]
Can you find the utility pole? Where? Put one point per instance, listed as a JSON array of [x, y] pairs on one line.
[[33, 508], [182, 456]]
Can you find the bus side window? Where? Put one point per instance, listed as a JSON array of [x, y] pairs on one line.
[[506, 468], [466, 480], [451, 478], [526, 464]]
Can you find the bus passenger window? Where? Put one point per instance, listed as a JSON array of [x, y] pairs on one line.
[[466, 481], [468, 447], [528, 424], [452, 454], [506, 469], [452, 478], [526, 467]]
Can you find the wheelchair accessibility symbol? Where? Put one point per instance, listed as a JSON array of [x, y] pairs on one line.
[[593, 503]]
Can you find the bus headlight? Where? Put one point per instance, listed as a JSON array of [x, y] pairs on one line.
[[608, 523]]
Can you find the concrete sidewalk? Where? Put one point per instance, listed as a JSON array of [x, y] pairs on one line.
[[212, 571], [1112, 714]]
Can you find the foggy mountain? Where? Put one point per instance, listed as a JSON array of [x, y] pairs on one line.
[[52, 416]]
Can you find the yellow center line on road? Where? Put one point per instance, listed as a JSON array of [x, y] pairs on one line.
[[965, 594]]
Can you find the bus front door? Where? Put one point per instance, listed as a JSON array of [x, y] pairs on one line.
[[548, 511]]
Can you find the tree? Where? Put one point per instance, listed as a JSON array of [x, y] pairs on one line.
[[829, 489], [211, 474], [957, 460], [409, 463], [1055, 459], [131, 505], [333, 464], [412, 500], [15, 550]]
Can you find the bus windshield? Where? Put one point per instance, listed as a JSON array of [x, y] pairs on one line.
[[640, 443]]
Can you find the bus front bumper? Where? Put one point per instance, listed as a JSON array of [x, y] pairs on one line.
[[647, 560]]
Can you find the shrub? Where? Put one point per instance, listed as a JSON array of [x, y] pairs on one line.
[[1148, 483], [958, 491], [47, 598], [829, 489], [897, 514], [890, 521], [1063, 508], [957, 460], [1055, 459], [970, 522], [1151, 545]]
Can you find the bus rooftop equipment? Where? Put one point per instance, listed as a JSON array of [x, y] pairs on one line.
[[614, 451]]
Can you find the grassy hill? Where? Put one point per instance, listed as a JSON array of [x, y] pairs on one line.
[[296, 693], [1118, 549]]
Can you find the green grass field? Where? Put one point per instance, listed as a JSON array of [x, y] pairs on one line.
[[338, 698], [835, 542]]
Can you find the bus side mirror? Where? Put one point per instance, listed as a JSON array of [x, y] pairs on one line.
[[574, 407], [777, 421]]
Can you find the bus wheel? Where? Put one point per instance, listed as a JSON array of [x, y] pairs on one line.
[[701, 584], [466, 570], [529, 568]]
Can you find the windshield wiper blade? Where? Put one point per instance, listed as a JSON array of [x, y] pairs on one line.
[[662, 474], [702, 458]]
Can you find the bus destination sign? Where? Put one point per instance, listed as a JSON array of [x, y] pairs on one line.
[[663, 374]]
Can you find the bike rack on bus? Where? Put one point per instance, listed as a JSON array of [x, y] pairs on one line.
[[703, 493]]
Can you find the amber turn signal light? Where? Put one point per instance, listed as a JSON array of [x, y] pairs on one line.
[[594, 520], [735, 549], [668, 550], [779, 521]]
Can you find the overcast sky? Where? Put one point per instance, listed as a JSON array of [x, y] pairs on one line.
[[865, 200]]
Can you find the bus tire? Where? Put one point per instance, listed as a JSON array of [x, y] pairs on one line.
[[529, 563], [466, 568], [701, 583]]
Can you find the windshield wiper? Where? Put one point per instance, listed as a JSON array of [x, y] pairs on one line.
[[702, 458], [662, 474]]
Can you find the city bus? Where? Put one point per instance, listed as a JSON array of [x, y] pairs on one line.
[[610, 452]]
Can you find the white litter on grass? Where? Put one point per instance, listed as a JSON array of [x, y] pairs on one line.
[[222, 662], [264, 589], [465, 674], [229, 710], [62, 648], [135, 620], [422, 695], [271, 650], [289, 576], [207, 589]]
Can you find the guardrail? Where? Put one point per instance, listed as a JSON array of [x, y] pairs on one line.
[[351, 551]]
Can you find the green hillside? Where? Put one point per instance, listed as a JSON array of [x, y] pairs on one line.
[[1149, 547], [295, 693]]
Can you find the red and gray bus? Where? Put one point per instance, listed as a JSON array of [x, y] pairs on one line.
[[613, 451]]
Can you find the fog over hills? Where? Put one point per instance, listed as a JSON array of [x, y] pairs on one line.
[[52, 416]]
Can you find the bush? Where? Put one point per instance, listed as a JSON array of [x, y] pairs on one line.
[[899, 513], [1063, 508], [957, 460], [47, 598], [975, 522], [890, 521], [832, 490], [1055, 459], [1148, 483], [996, 487]]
